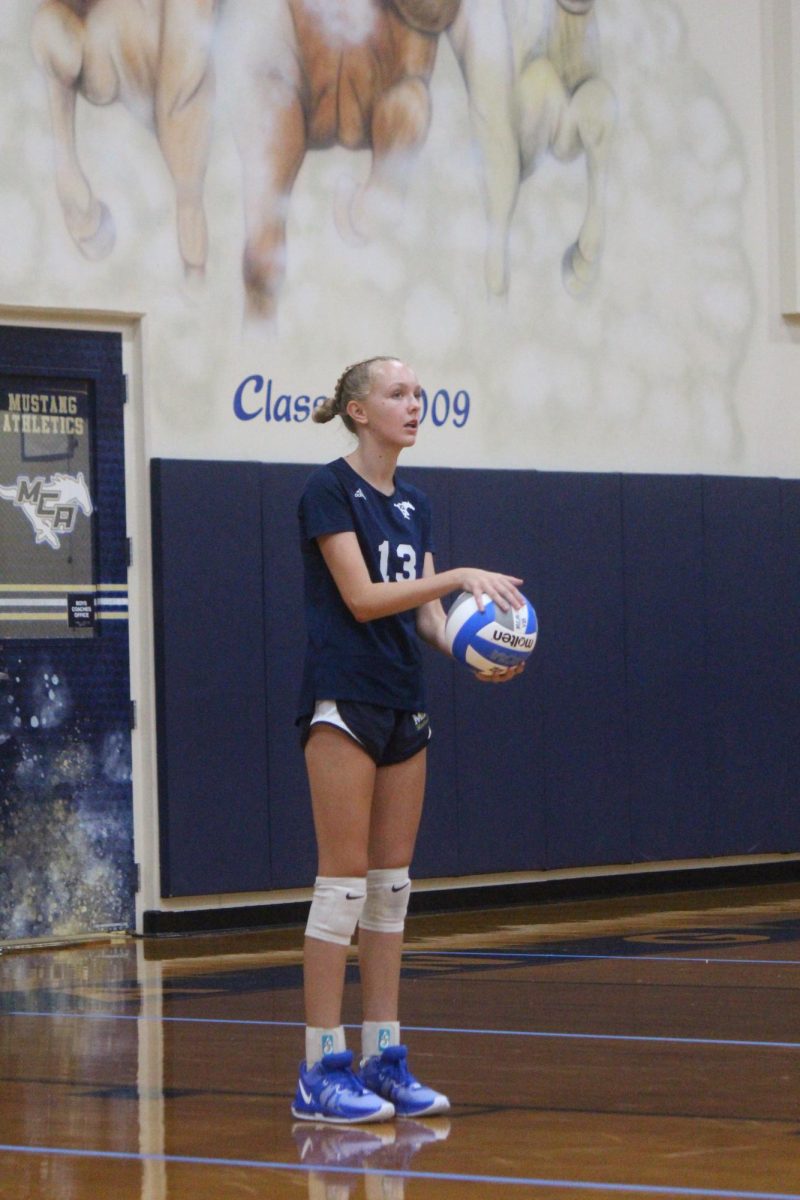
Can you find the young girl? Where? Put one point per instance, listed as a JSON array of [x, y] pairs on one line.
[[370, 590]]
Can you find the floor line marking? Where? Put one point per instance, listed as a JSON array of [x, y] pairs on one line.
[[659, 958], [521, 1033], [431, 1176]]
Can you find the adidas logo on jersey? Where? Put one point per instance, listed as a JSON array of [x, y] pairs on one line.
[[358, 494], [420, 720], [406, 508]]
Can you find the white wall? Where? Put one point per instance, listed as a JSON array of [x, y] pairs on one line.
[[677, 358]]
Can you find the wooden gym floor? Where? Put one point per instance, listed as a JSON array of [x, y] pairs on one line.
[[638, 1047]]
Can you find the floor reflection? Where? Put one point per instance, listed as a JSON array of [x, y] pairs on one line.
[[338, 1157], [164, 1070]]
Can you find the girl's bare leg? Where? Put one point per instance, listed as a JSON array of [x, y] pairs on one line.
[[342, 779], [396, 812]]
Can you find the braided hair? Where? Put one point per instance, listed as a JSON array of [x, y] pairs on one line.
[[354, 383]]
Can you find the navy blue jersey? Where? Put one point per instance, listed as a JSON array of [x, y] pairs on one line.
[[376, 662]]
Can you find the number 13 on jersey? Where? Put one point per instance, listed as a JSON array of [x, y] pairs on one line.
[[407, 556]]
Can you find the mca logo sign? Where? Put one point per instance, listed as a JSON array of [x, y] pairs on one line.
[[51, 505]]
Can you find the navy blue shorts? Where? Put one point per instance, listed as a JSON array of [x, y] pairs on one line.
[[388, 735]]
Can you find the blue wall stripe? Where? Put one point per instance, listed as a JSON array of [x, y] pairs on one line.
[[440, 837], [209, 587], [665, 667], [745, 663], [284, 791], [786, 808], [499, 779], [576, 521]]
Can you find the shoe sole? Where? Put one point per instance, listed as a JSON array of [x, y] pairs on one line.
[[381, 1115], [437, 1109]]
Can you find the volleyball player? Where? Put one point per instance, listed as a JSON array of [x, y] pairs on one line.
[[371, 591]]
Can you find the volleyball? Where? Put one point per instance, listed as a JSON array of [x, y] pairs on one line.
[[491, 640]]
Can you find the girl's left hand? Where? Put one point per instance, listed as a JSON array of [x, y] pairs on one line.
[[499, 676]]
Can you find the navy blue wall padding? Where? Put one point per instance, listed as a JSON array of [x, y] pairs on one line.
[[665, 620], [212, 727], [438, 844], [291, 850], [498, 743], [788, 817], [577, 526], [658, 719], [746, 653]]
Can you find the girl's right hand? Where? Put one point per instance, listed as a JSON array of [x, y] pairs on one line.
[[501, 588]]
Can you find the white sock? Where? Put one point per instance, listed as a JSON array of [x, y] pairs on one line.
[[323, 1041], [377, 1035]]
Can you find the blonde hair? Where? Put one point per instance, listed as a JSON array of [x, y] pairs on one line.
[[354, 383]]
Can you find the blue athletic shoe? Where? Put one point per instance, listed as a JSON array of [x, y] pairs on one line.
[[387, 1075], [331, 1091]]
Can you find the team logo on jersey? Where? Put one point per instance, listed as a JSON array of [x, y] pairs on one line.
[[358, 494], [51, 505], [406, 508]]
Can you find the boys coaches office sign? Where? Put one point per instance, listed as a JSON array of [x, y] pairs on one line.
[[47, 583]]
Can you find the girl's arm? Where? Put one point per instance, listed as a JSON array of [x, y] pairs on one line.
[[367, 600]]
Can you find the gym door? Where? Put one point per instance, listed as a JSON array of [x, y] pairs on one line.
[[66, 814]]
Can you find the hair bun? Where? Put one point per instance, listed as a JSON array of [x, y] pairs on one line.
[[325, 411]]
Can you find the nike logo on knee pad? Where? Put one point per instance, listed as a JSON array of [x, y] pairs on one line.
[[350, 896], [399, 887]]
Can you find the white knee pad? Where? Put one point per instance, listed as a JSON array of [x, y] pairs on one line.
[[388, 890], [335, 908]]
